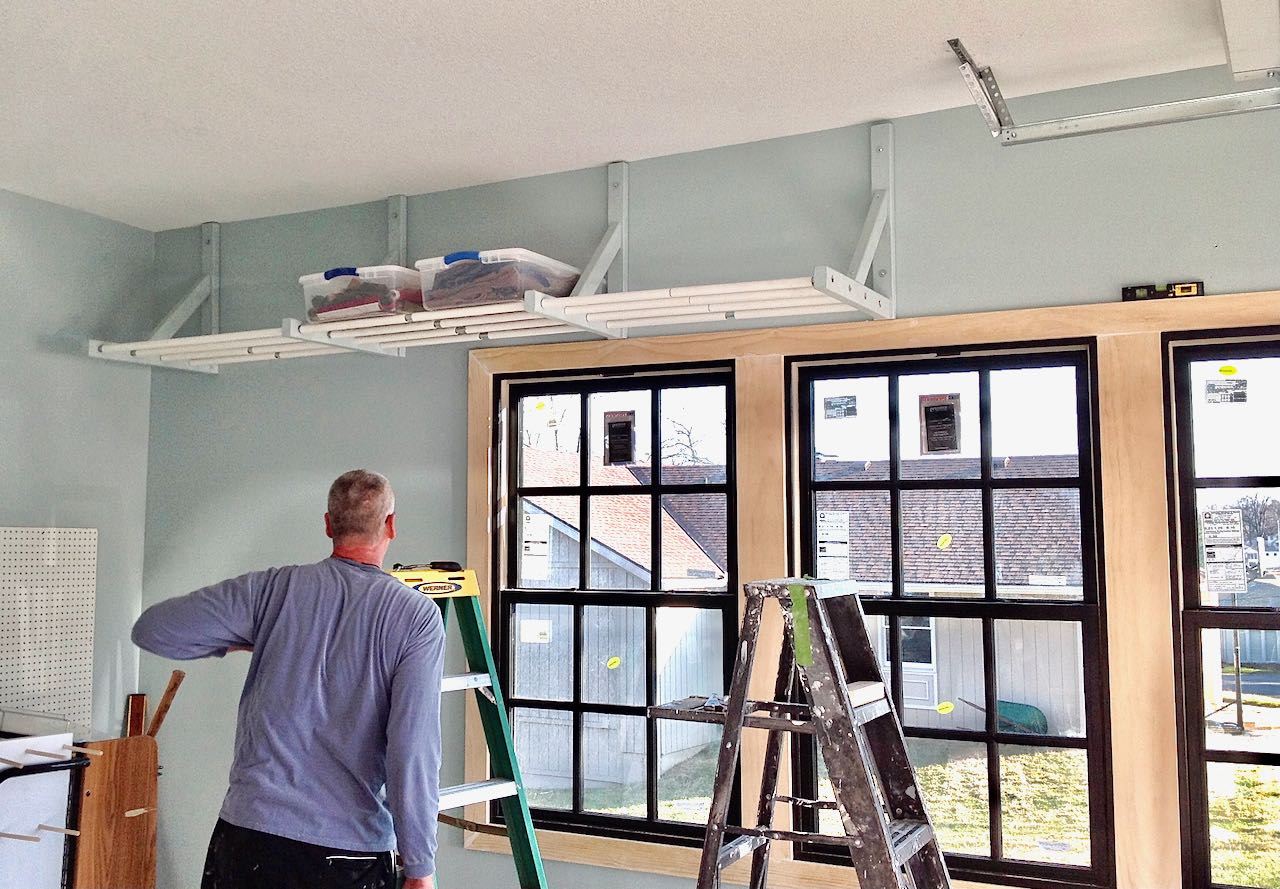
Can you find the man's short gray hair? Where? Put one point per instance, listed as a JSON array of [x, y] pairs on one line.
[[359, 503]]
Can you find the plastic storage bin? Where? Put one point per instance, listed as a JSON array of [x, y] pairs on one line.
[[356, 292], [472, 278]]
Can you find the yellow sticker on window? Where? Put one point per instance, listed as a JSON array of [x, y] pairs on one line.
[[540, 406], [946, 707], [944, 541], [613, 663], [1228, 370]]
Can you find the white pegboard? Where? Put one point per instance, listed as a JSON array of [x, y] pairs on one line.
[[48, 585]]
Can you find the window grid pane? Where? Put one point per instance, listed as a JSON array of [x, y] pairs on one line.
[[1002, 531], [605, 524], [1228, 475]]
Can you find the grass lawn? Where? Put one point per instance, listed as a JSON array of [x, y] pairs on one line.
[[1045, 805], [1244, 824]]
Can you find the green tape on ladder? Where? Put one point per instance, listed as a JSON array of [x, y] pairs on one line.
[[800, 625]]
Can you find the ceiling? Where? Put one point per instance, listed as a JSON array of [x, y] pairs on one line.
[[165, 114]]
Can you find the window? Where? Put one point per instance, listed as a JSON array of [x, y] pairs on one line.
[[617, 554], [1227, 486], [958, 494]]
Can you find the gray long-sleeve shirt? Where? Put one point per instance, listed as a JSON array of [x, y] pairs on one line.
[[339, 723]]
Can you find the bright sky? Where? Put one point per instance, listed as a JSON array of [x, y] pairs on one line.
[[1033, 411], [701, 409], [1237, 438]]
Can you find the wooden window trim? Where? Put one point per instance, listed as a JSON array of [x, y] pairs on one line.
[[1135, 539]]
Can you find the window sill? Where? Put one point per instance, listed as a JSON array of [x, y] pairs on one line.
[[677, 861]]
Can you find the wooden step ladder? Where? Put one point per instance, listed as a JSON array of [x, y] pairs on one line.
[[887, 829], [447, 583]]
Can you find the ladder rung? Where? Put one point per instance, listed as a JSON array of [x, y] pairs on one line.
[[907, 838], [738, 849], [785, 800], [466, 680], [477, 792], [867, 712], [777, 716], [789, 836]]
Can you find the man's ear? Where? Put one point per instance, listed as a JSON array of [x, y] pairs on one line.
[[391, 526], [328, 525]]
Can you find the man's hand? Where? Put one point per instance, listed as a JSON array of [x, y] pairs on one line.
[[249, 648], [420, 883]]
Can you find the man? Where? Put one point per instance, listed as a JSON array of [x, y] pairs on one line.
[[342, 699]]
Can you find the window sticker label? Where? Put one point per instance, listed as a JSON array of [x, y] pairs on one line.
[[840, 407], [535, 549], [940, 424], [1232, 391], [1222, 527], [833, 544], [1220, 579], [535, 631], [619, 437], [1222, 534]]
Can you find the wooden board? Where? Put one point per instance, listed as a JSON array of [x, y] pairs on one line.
[[115, 851], [1133, 503]]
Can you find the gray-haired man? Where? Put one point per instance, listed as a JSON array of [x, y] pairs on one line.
[[337, 750]]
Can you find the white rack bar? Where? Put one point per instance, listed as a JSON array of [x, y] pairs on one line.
[[291, 328], [827, 292]]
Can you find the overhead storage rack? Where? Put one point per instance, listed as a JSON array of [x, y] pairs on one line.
[[614, 314]]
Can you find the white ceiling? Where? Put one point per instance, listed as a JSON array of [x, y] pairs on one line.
[[166, 114]]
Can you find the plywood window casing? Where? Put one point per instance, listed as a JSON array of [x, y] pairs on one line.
[[1133, 487]]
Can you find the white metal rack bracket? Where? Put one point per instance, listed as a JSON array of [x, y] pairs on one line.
[[204, 295], [874, 254], [291, 329], [986, 95], [609, 261], [397, 231]]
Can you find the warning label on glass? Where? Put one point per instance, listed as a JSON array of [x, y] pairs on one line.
[[1225, 579], [940, 424], [1222, 527], [838, 407], [1226, 391], [833, 544]]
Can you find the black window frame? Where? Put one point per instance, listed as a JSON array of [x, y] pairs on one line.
[[506, 485], [1190, 616], [1090, 612]]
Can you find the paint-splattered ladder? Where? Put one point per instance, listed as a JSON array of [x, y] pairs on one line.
[[887, 828]]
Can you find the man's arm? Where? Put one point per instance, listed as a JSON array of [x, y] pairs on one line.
[[209, 622], [413, 746]]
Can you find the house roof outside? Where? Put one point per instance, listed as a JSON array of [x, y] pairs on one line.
[[1038, 535], [623, 526]]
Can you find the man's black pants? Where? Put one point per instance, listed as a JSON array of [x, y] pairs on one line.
[[240, 858]]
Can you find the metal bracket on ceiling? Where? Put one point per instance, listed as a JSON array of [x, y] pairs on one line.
[[987, 96], [874, 253], [205, 295], [397, 230], [608, 265]]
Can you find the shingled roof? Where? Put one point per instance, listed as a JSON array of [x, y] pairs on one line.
[[1037, 529], [624, 526]]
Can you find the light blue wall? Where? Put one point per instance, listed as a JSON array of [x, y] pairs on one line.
[[239, 463], [73, 432]]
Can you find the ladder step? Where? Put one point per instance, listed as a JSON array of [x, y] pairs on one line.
[[466, 680], [907, 838], [738, 849], [476, 792]]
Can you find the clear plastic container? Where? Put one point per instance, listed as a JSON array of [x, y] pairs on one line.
[[472, 278], [357, 292]]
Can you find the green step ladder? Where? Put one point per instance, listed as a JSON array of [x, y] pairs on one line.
[[448, 583]]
